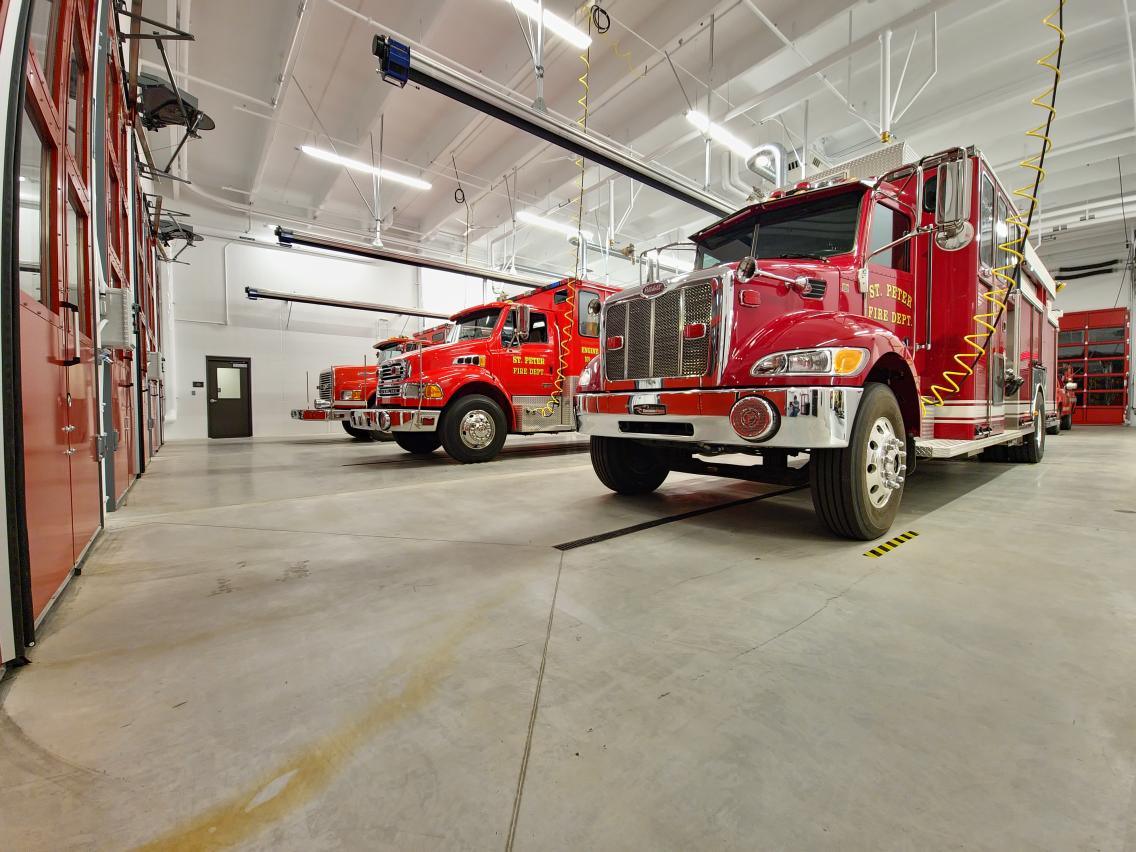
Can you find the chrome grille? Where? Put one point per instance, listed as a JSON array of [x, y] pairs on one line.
[[389, 390], [394, 371], [323, 389], [653, 345]]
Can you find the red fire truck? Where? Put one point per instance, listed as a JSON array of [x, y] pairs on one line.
[[342, 389], [833, 331], [1066, 400], [507, 367]]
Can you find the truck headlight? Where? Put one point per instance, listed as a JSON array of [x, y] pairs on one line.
[[348, 395], [830, 361], [589, 379]]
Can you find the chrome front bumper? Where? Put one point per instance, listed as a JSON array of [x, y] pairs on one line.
[[320, 414], [810, 417], [396, 419]]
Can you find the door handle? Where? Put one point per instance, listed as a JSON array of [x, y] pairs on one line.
[[212, 400], [74, 359], [68, 428], [70, 452]]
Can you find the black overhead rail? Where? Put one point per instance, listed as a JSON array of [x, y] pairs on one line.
[[289, 238], [398, 67], [255, 293]]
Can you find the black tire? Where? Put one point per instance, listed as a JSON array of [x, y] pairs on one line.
[[1032, 448], [357, 434], [419, 443], [844, 493], [998, 453], [1053, 429], [473, 429], [626, 466], [1066, 422]]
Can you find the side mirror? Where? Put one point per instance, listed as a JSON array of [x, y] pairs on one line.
[[747, 268], [953, 230], [1070, 386], [524, 321]]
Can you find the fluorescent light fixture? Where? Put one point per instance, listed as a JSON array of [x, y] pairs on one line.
[[553, 23], [719, 134], [359, 166], [552, 225]]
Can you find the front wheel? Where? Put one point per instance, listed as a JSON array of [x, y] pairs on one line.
[[419, 443], [626, 466], [1066, 422], [473, 429], [357, 434], [857, 489]]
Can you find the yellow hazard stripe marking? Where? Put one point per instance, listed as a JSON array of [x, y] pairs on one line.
[[890, 545]]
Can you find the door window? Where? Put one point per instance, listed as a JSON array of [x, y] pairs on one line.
[[77, 292], [589, 323], [76, 101], [888, 225], [35, 186], [42, 36], [538, 329], [228, 383], [986, 224]]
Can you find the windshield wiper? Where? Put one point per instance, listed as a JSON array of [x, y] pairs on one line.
[[795, 256]]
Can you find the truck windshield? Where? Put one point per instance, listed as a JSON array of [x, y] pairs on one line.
[[817, 228], [475, 326]]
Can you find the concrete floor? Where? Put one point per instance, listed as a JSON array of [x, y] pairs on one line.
[[314, 644]]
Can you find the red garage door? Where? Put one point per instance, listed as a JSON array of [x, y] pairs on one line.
[[1095, 346]]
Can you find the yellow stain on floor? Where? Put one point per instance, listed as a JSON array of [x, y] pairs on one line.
[[297, 781]]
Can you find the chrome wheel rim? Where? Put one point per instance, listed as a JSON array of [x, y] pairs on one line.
[[885, 464], [477, 429], [1038, 425]]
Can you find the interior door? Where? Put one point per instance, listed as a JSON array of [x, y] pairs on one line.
[[229, 394]]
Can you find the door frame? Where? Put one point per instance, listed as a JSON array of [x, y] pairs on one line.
[[248, 401]]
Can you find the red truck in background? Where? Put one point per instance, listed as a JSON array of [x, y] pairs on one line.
[[342, 388], [827, 331], [507, 367], [1066, 400]]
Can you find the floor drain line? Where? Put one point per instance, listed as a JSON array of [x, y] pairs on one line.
[[890, 545], [669, 519]]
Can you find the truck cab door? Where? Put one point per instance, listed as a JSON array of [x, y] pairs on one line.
[[527, 368], [891, 296]]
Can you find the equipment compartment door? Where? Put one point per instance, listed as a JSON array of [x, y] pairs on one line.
[[229, 394]]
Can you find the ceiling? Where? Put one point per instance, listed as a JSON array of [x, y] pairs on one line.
[[276, 75]]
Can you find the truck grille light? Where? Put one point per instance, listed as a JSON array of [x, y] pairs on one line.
[[749, 298], [614, 343], [753, 418], [694, 331]]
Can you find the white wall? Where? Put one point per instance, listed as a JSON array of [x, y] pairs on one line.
[[289, 344]]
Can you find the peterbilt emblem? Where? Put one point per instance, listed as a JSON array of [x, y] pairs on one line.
[[654, 288]]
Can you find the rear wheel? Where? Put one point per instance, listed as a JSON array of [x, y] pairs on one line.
[[418, 443], [1066, 422], [626, 466], [473, 429], [857, 489], [1032, 447]]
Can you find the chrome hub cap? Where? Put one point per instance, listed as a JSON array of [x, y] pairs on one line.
[[477, 429], [886, 463]]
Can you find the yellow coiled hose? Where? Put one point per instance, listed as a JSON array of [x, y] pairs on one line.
[[997, 298]]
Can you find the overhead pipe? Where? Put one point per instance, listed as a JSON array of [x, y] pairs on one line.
[[290, 238], [255, 294], [397, 66]]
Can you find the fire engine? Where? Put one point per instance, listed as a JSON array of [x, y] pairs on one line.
[[343, 388], [835, 331], [1066, 400], [507, 367]]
